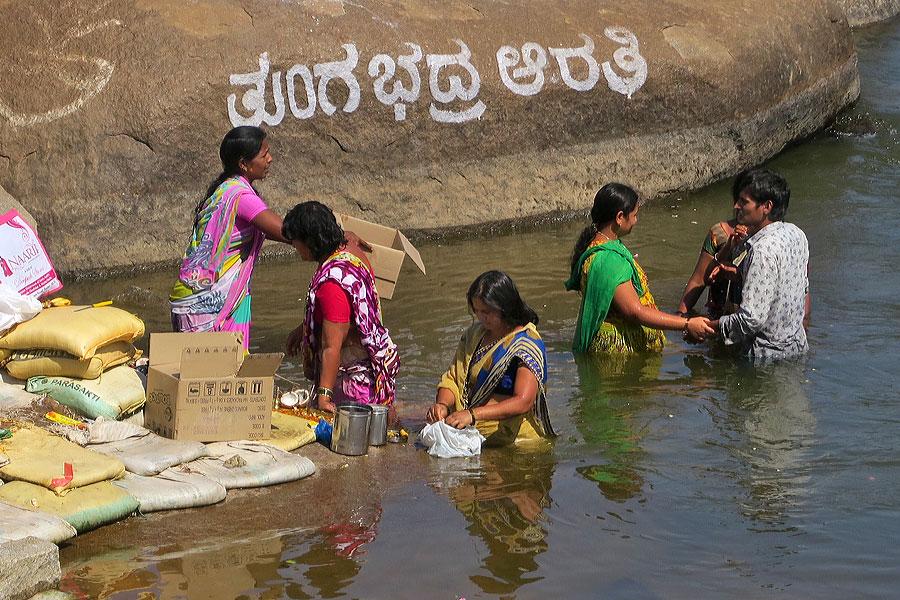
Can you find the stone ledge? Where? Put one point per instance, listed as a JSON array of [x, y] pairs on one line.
[[868, 12], [27, 567]]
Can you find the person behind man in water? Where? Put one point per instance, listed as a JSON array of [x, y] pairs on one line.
[[718, 249], [774, 288]]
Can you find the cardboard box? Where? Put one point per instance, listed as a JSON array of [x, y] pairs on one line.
[[201, 387], [389, 248]]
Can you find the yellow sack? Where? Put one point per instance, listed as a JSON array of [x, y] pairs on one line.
[[290, 432], [78, 332], [118, 392], [39, 457], [84, 509], [23, 364]]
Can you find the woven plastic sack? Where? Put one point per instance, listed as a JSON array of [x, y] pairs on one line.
[[23, 364], [84, 508], [117, 393], [12, 393], [39, 457], [17, 523], [142, 451], [78, 330], [172, 489], [246, 464], [445, 441], [290, 432]]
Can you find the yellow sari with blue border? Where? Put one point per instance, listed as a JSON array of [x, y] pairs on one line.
[[472, 381]]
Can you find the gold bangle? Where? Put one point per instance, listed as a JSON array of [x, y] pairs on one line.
[[324, 391]]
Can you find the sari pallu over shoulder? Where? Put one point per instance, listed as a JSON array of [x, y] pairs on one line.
[[473, 383], [612, 266], [214, 272], [352, 275]]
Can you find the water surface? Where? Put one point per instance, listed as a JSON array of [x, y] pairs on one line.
[[681, 475]]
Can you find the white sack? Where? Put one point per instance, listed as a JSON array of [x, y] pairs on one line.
[[171, 489], [150, 454], [244, 464], [13, 394], [18, 523], [140, 450]]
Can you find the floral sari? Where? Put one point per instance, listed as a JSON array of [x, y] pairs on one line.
[[474, 375], [368, 378], [601, 269], [213, 289]]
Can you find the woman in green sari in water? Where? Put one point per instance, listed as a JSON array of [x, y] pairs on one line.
[[618, 314]]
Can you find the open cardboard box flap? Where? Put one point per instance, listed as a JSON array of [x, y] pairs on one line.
[[389, 247], [260, 365], [170, 348], [214, 354]]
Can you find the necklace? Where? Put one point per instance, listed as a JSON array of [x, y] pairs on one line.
[[484, 349], [484, 346], [608, 239]]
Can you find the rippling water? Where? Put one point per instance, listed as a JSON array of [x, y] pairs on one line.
[[676, 476]]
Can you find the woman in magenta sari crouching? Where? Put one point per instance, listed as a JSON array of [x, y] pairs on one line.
[[347, 352]]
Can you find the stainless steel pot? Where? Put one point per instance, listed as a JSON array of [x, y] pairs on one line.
[[378, 426], [350, 435]]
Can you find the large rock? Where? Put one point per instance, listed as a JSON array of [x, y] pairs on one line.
[[866, 12], [27, 567], [8, 203], [111, 118]]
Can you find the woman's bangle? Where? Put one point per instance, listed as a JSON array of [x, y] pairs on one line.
[[443, 405], [472, 412], [324, 391], [684, 329]]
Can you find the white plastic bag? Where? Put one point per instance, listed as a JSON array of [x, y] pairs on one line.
[[445, 441], [15, 308]]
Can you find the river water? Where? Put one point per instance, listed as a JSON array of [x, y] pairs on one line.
[[676, 476]]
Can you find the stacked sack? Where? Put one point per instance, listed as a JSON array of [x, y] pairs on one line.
[[77, 355]]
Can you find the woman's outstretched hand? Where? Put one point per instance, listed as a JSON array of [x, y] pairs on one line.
[[698, 329], [354, 239]]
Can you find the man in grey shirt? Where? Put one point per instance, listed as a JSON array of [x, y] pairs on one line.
[[773, 268]]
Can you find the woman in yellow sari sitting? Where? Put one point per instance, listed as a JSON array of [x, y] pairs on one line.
[[497, 381], [618, 314]]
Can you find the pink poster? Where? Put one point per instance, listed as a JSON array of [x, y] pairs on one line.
[[24, 264]]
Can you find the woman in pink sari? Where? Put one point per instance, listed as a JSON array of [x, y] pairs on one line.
[[347, 351], [230, 225]]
